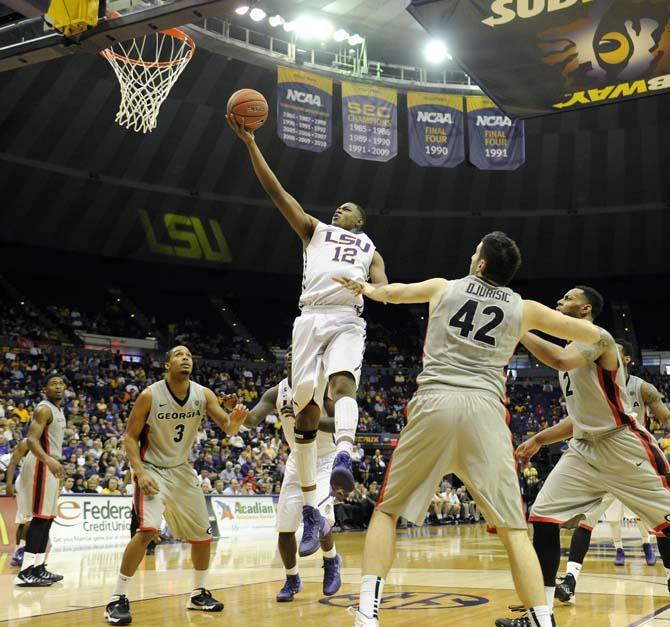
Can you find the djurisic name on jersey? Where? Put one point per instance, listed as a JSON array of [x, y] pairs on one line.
[[178, 415], [476, 289]]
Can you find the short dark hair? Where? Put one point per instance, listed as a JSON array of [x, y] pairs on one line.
[[626, 346], [168, 355], [593, 298], [502, 256], [53, 375], [364, 215]]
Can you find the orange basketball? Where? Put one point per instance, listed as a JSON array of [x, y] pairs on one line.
[[249, 108]]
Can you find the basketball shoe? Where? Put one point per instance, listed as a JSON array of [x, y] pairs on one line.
[[42, 571], [117, 611], [361, 620], [331, 575], [204, 601], [649, 553], [292, 586], [17, 558], [565, 591], [315, 527], [620, 557], [522, 621], [31, 578], [342, 477]]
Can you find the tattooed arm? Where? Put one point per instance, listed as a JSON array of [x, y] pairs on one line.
[[654, 401], [574, 355]]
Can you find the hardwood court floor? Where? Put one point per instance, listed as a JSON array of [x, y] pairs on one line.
[[442, 576]]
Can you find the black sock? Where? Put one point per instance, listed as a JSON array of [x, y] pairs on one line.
[[38, 536], [547, 543], [579, 545], [664, 550]]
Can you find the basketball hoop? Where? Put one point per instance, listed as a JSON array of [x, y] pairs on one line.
[[147, 67]]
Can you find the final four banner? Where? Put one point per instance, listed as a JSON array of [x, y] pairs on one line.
[[496, 141], [304, 109], [370, 121], [436, 136]]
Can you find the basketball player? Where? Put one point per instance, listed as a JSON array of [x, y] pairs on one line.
[[39, 481], [23, 508], [280, 399], [457, 421], [329, 335], [644, 396], [161, 430], [609, 452]]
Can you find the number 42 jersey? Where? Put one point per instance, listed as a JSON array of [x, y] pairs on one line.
[[334, 252], [471, 336]]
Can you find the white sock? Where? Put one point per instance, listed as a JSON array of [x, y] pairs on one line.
[[615, 528], [618, 544], [372, 588], [121, 585], [22, 543], [346, 421], [574, 568], [292, 571], [549, 595], [199, 577], [305, 463], [649, 540], [39, 558], [28, 560], [540, 616], [330, 554]]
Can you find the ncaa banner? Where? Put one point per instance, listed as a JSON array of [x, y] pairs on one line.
[[436, 135], [370, 121], [534, 57], [496, 141], [304, 109]]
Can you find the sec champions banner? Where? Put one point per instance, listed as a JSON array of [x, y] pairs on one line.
[[304, 109], [534, 57], [370, 121], [436, 136], [496, 141]]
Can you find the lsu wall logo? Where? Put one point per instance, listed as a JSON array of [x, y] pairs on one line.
[[506, 11], [303, 97], [187, 237]]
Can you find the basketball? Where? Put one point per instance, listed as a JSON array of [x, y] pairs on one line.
[[249, 108]]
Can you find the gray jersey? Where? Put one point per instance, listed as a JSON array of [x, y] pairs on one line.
[[172, 425], [596, 399], [52, 436], [471, 336], [634, 389]]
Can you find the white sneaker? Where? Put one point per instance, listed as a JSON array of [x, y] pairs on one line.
[[361, 620]]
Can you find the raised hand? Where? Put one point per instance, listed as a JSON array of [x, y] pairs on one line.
[[229, 401], [357, 287], [246, 136], [237, 417]]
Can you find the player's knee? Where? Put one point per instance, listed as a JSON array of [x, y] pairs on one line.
[[145, 537], [342, 384]]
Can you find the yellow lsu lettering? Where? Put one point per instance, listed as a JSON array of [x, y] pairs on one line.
[[614, 92], [188, 238], [505, 11]]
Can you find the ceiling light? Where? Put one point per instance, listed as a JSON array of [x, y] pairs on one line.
[[323, 30], [354, 40], [289, 27], [242, 10], [340, 35], [276, 20], [436, 52], [257, 14], [305, 27]]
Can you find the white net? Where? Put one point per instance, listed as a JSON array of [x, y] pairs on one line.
[[147, 68]]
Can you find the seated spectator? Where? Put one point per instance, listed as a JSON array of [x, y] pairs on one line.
[[93, 485], [112, 486], [233, 489]]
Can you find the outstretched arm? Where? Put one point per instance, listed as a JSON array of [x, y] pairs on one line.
[[263, 408], [302, 223], [654, 401], [231, 422], [556, 433], [398, 293]]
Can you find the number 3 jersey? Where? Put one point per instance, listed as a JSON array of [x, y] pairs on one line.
[[334, 252], [472, 333], [172, 425]]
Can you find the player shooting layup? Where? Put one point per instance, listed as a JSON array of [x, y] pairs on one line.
[[329, 335]]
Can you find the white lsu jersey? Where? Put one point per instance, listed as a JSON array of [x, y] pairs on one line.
[[325, 442], [334, 252]]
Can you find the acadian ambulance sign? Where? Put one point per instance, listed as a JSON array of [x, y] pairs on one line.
[[304, 109], [242, 513]]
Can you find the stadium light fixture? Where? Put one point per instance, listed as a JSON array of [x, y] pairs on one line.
[[436, 52], [257, 14], [276, 20], [354, 40], [242, 10], [341, 35], [289, 27]]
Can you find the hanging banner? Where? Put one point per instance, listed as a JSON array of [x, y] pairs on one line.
[[370, 121], [436, 135], [304, 109], [547, 56], [496, 142]]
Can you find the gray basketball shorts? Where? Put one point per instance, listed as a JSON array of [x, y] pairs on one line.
[[627, 463], [465, 433]]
